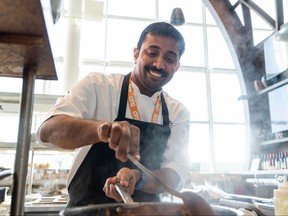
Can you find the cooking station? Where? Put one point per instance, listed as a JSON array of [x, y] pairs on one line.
[[235, 205], [25, 52]]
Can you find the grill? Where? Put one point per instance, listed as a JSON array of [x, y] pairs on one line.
[[245, 205]]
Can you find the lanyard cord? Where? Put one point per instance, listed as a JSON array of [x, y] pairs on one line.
[[133, 106]]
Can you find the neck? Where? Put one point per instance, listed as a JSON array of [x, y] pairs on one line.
[[142, 90]]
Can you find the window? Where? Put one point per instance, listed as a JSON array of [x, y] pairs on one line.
[[206, 82]]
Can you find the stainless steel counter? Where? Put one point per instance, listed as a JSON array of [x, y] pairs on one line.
[[43, 209]]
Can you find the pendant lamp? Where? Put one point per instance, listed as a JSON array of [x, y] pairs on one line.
[[177, 17]]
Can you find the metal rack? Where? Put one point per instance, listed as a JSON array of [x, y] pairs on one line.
[[25, 52]]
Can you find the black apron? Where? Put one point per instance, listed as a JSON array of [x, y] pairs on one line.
[[100, 162]]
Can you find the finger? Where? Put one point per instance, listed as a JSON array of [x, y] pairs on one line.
[[110, 190], [127, 179], [115, 135], [109, 181], [114, 193], [124, 142], [135, 142], [104, 131], [124, 176]]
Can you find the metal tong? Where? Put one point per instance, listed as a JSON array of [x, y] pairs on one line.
[[126, 196], [153, 176]]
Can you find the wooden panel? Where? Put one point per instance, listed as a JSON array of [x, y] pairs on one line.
[[24, 40]]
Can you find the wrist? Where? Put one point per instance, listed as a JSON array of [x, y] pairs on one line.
[[141, 182]]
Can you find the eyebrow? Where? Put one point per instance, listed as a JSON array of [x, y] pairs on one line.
[[157, 47]]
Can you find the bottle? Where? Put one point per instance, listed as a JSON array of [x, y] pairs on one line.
[[271, 165], [262, 162], [266, 162], [281, 198], [283, 160], [277, 161]]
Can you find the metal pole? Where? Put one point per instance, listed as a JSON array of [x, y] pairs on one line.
[[23, 143]]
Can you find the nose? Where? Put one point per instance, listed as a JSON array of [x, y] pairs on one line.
[[159, 63]]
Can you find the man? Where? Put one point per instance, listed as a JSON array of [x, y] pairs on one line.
[[106, 116]]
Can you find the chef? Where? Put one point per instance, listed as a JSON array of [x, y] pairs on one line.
[[105, 116]]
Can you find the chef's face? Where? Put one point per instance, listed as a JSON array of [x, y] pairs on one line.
[[155, 63]]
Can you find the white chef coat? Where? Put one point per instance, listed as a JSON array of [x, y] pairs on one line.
[[97, 96]]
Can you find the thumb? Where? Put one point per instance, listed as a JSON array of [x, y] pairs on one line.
[[104, 131]]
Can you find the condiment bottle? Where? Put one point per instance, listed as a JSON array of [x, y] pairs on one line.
[[281, 198]]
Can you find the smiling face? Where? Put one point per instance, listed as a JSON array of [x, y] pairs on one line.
[[155, 63]]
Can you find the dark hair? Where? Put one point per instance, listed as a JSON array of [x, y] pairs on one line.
[[164, 29]]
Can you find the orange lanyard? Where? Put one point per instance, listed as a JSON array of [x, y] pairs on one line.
[[134, 109]]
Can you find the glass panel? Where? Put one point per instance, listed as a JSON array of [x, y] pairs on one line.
[[7, 159], [209, 18], [53, 87], [165, 8], [258, 21], [9, 130], [285, 10], [8, 84], [225, 90], [121, 49], [191, 10], [93, 40], [199, 149], [259, 35], [194, 51], [58, 43], [269, 7], [230, 147], [40, 86], [88, 68], [132, 8], [218, 52], [190, 89]]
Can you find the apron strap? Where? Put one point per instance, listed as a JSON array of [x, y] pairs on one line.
[[124, 96], [165, 112]]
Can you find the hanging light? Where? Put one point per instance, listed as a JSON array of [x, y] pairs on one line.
[[177, 17]]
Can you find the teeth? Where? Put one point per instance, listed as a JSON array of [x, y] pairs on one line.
[[155, 74]]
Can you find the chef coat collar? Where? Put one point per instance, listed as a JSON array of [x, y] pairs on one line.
[[137, 91]]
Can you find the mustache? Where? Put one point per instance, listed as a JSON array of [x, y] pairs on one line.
[[153, 68]]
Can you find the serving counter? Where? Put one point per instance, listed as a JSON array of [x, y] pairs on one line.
[[43, 209]]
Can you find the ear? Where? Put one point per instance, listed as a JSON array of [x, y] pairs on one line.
[[135, 54]]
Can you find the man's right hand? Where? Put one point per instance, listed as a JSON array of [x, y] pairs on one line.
[[122, 137]]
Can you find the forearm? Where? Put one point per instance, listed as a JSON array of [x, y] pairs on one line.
[[69, 132]]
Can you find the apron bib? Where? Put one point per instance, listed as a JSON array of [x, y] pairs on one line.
[[100, 163]]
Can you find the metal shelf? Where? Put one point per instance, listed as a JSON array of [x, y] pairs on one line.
[[275, 141]]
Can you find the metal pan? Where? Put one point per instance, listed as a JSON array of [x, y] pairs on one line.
[[131, 208], [142, 208]]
